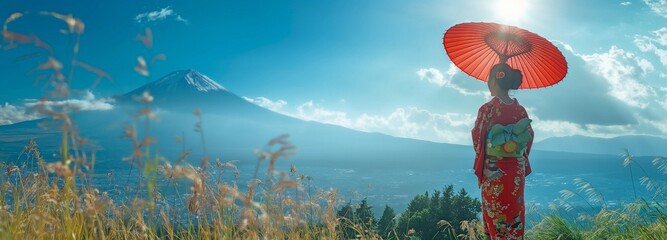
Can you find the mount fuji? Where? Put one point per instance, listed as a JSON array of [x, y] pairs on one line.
[[186, 90], [233, 128]]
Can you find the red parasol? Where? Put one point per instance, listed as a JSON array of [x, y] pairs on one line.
[[476, 47]]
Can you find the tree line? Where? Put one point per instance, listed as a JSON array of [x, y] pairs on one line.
[[428, 216]]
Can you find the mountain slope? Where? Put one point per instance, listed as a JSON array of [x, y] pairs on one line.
[[639, 145], [234, 127]]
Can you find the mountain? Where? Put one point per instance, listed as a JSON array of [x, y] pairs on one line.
[[185, 90], [232, 129], [638, 145]]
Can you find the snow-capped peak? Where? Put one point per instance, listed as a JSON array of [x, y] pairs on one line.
[[192, 78]]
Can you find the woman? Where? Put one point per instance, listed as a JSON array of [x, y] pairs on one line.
[[502, 138]]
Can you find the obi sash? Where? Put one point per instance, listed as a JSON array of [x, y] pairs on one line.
[[508, 140]]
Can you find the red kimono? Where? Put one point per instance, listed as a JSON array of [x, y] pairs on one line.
[[501, 179]]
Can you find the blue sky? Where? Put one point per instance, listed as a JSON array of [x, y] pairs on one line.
[[374, 66]]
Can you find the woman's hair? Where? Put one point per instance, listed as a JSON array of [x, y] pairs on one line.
[[506, 76]]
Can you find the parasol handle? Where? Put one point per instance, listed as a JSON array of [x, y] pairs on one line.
[[503, 58]]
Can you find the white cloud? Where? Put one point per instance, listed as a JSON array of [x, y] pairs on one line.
[[660, 125], [413, 122], [626, 3], [410, 122], [658, 6], [433, 75], [661, 36], [663, 102], [662, 54], [559, 128], [275, 106], [604, 95], [616, 66], [310, 112], [644, 43], [29, 110], [10, 114], [181, 19], [417, 123], [653, 127], [87, 103], [622, 73], [567, 47], [648, 44], [555, 128], [645, 65], [436, 77], [159, 15]]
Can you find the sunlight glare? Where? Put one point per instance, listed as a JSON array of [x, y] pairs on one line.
[[511, 10]]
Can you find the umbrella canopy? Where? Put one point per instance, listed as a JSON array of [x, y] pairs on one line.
[[476, 47]]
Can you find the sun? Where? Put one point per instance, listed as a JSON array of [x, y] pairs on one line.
[[511, 10]]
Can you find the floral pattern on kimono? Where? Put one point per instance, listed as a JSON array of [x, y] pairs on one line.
[[501, 179]]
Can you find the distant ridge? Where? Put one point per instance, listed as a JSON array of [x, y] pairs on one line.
[[638, 145]]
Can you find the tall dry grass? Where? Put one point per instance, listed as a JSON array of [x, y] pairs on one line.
[[53, 198], [646, 218]]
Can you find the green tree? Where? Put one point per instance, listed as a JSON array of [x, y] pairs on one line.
[[425, 212], [356, 220], [387, 223], [346, 221], [365, 216], [467, 207]]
